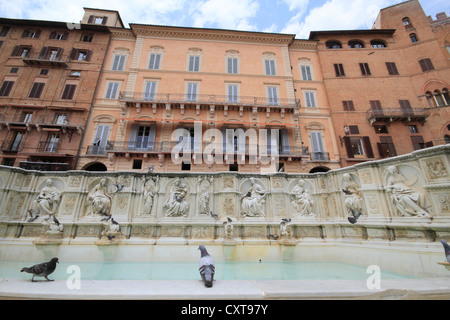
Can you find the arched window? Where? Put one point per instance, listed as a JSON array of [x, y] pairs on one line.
[[438, 98], [378, 44], [413, 37], [333, 45], [407, 23], [355, 44]]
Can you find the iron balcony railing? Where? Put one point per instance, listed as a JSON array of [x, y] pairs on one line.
[[142, 97], [44, 166], [50, 59], [320, 156], [167, 147], [397, 114]]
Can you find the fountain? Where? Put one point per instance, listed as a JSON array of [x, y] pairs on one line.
[[397, 207]]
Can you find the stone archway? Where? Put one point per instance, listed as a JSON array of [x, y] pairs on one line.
[[95, 166]]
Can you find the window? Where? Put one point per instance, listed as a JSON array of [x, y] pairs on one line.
[[118, 63], [58, 35], [5, 90], [407, 23], [270, 67], [405, 105], [44, 72], [97, 20], [21, 51], [142, 137], [386, 147], [14, 70], [272, 96], [191, 92], [100, 141], [232, 65], [381, 129], [61, 119], [413, 129], [426, 65], [80, 54], [310, 98], [339, 68], [69, 91], [185, 166], [355, 44], [150, 90], [75, 73], [318, 151], [418, 142], [4, 31], [233, 95], [194, 63], [392, 68], [358, 147], [306, 73], [413, 38], [9, 162], [365, 70], [378, 44], [87, 37], [26, 117], [137, 164], [375, 106], [112, 90], [36, 90], [33, 34], [333, 45], [52, 143], [17, 141], [52, 54], [353, 129], [348, 105], [155, 60]]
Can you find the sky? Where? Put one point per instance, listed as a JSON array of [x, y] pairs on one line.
[[297, 17]]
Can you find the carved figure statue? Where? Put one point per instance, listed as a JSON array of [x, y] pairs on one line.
[[408, 201], [302, 200], [99, 198], [176, 205], [150, 189], [253, 200], [353, 198], [111, 228], [47, 201]]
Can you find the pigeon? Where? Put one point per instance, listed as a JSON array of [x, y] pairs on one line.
[[347, 192], [42, 269], [56, 221], [249, 194], [150, 169], [215, 216], [110, 237], [206, 267], [271, 236], [286, 219], [229, 219], [356, 215], [107, 218], [33, 215], [114, 221], [446, 249], [119, 187]]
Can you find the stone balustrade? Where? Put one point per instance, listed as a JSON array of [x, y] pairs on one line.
[[400, 198]]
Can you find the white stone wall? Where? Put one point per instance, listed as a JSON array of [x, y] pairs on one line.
[[426, 175]]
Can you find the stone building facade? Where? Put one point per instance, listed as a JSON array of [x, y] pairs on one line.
[[49, 73]]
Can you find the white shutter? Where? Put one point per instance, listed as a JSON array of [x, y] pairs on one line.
[[150, 89], [316, 141]]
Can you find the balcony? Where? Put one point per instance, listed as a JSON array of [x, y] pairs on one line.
[[46, 60], [320, 156], [397, 114], [140, 99], [131, 147], [14, 145], [44, 166]]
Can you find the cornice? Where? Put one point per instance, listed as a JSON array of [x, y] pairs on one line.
[[122, 33], [211, 34]]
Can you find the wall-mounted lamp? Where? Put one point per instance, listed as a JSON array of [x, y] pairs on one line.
[[347, 132]]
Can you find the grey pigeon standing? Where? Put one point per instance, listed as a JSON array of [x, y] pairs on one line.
[[42, 269], [446, 249], [206, 267]]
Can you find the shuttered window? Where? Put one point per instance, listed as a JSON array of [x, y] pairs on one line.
[[272, 96], [5, 90], [232, 65], [392, 68], [150, 90], [36, 90], [194, 63], [191, 94], [112, 90], [155, 61], [310, 98], [233, 93], [69, 91], [348, 105], [358, 146], [270, 67], [426, 65], [365, 70], [119, 62], [339, 69], [306, 73]]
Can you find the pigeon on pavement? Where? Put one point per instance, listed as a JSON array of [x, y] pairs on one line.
[[42, 269], [446, 249], [206, 267]]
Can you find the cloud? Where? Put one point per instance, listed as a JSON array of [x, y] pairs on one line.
[[337, 15], [231, 14]]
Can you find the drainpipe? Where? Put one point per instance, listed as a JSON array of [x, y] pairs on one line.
[[88, 120]]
